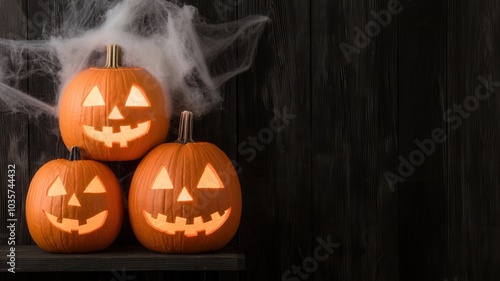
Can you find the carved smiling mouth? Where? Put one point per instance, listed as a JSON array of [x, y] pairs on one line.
[[160, 223], [125, 134], [70, 225]]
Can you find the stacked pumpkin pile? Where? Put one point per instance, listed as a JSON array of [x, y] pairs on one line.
[[184, 197]]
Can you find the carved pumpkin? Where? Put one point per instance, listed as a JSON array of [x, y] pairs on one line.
[[185, 196], [113, 113], [74, 206]]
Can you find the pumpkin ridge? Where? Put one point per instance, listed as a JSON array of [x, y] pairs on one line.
[[75, 177], [185, 164], [114, 86]]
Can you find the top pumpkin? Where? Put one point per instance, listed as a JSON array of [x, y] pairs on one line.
[[113, 113]]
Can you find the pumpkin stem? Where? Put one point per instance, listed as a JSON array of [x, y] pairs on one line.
[[113, 56], [185, 128], [74, 154]]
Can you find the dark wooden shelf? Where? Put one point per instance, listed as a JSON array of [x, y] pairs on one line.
[[132, 258]]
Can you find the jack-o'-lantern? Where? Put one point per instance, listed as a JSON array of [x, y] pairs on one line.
[[74, 206], [185, 196], [113, 113]]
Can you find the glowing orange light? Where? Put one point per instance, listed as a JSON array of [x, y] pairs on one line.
[[115, 114], [122, 137], [184, 196], [94, 98], [73, 201], [162, 180], [209, 178], [137, 98], [57, 188], [160, 223], [95, 186], [70, 225]]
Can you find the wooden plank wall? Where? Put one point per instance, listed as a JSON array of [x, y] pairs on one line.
[[472, 179], [360, 108], [422, 101]]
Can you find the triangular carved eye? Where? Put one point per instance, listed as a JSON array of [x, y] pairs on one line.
[[56, 188], [95, 186], [137, 98], [94, 98], [210, 179], [162, 180]]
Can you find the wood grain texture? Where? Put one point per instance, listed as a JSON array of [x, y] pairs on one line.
[[422, 102], [14, 140], [14, 144], [277, 167], [44, 143], [354, 131], [472, 178], [133, 258]]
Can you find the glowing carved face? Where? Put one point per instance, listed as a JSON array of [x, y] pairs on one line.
[[183, 201], [113, 114], [136, 98], [209, 180], [74, 206], [69, 225]]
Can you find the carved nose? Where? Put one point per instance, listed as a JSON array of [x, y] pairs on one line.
[[73, 201], [184, 196], [115, 114]]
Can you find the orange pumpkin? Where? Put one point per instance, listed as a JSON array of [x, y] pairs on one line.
[[185, 196], [74, 206], [113, 113]]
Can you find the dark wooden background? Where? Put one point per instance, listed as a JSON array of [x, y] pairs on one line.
[[324, 174]]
